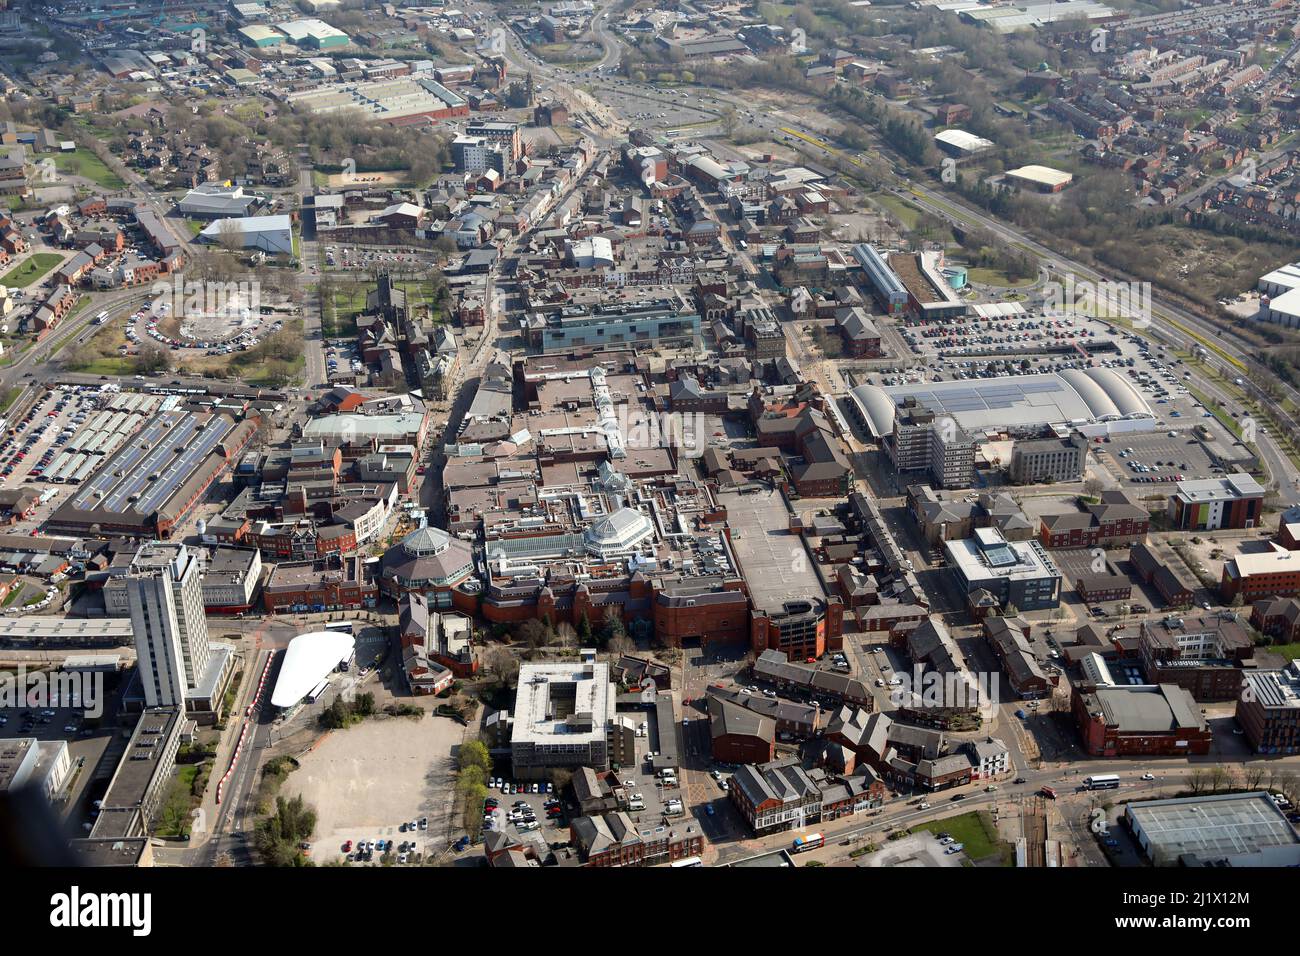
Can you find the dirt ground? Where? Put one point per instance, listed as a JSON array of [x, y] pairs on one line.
[[369, 779], [337, 180]]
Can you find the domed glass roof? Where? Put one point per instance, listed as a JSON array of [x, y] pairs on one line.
[[426, 541]]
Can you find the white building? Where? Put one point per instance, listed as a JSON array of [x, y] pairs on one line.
[[270, 234], [564, 712]]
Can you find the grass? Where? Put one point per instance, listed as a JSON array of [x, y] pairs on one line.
[[986, 276], [1289, 651], [30, 271], [195, 227], [86, 165], [975, 831], [10, 396], [12, 595], [907, 214]]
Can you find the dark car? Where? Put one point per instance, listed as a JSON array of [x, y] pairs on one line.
[[957, 796]]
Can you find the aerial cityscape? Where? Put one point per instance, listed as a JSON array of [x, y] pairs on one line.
[[610, 434]]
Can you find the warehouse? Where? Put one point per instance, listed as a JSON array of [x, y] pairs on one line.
[[270, 234], [400, 101], [1232, 829], [1041, 179], [314, 34], [1280, 301], [154, 480], [958, 142], [1024, 404], [260, 36]]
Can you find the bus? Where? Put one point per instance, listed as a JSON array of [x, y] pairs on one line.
[[687, 861], [99, 319], [316, 691], [344, 626], [810, 842], [1105, 781]]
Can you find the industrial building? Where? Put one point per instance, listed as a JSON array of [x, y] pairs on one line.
[[1150, 720], [1041, 179], [270, 234], [958, 142], [400, 101], [155, 477], [1231, 829]]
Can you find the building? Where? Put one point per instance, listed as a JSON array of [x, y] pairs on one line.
[[42, 764], [505, 135], [925, 441], [428, 561], [775, 796], [177, 667], [1140, 720], [270, 234], [1151, 569], [331, 582], [1268, 709], [478, 154], [740, 735], [1203, 655], [1231, 829], [1009, 638], [231, 579], [1114, 521], [776, 668], [1259, 575], [614, 840], [959, 143], [308, 662], [140, 784], [1278, 618], [1011, 405], [1211, 504], [1045, 460], [1042, 179], [1019, 573], [564, 714]]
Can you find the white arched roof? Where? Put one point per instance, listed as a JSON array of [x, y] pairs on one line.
[[307, 662]]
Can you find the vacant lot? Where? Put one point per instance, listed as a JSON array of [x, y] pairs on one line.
[[86, 165], [973, 830], [369, 779]]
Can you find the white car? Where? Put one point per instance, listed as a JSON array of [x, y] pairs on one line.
[[1148, 776], [955, 848]]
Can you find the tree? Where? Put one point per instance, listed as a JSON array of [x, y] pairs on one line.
[[502, 665], [1092, 487], [620, 645], [474, 754], [584, 630], [612, 626]]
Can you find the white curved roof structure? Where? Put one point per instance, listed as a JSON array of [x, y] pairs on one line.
[[308, 661], [617, 533], [1010, 401]]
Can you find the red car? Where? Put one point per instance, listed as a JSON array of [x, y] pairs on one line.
[[347, 847]]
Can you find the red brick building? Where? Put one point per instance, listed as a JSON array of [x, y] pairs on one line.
[[1140, 720]]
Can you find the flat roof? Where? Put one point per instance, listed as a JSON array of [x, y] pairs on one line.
[[1232, 825], [580, 687], [308, 661], [773, 561], [61, 628]]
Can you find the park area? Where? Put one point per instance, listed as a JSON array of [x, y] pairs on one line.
[[35, 268]]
